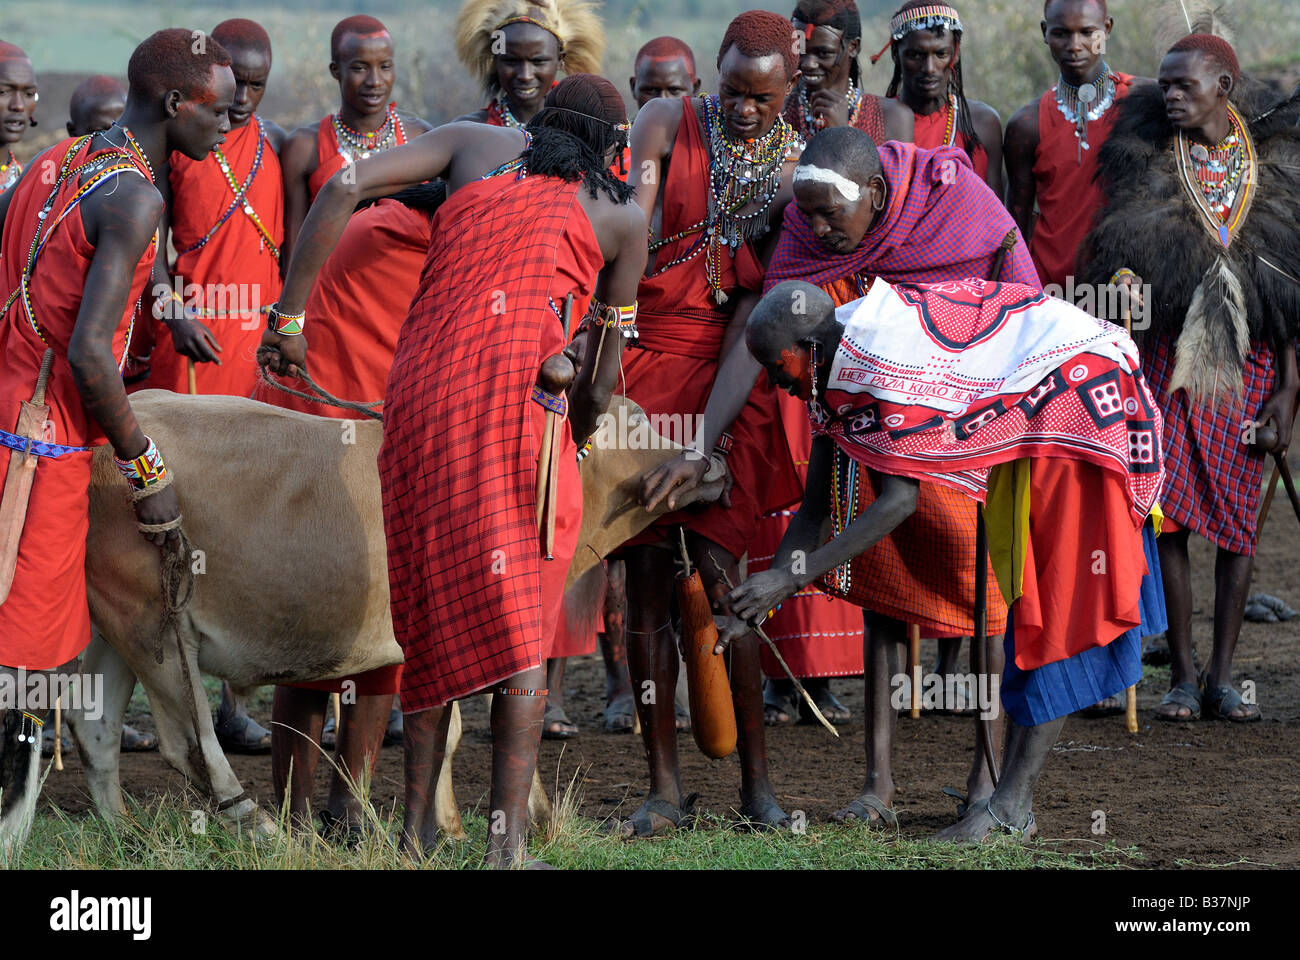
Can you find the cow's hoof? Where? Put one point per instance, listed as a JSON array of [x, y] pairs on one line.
[[251, 820]]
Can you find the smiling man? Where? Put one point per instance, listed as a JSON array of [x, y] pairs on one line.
[[361, 60], [18, 98], [64, 342], [712, 175], [1201, 200], [517, 48]]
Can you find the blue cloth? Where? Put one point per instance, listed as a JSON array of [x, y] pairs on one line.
[[38, 447], [1033, 697]]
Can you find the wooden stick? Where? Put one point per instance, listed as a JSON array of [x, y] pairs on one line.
[[914, 666], [338, 715], [980, 641], [1131, 708], [58, 734], [1284, 471], [193, 380], [821, 717]]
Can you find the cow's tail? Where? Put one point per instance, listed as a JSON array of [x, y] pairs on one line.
[[20, 761]]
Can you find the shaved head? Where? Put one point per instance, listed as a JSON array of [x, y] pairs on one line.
[[846, 150], [95, 104], [792, 333]]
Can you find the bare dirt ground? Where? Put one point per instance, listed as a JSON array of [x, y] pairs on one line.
[[1194, 794]]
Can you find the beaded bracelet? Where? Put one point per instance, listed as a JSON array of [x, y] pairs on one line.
[[162, 305], [285, 324], [725, 442], [558, 404], [622, 319], [1119, 275], [145, 470], [585, 450]]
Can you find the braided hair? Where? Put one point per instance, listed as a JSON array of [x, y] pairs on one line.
[[425, 197], [965, 124], [839, 15], [573, 132]]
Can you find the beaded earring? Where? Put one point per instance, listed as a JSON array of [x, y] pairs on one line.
[[812, 352]]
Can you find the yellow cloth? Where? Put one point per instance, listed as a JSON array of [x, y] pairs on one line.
[[1006, 521]]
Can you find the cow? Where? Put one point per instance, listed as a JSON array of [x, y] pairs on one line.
[[284, 572]]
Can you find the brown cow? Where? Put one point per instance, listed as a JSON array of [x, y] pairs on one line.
[[289, 575]]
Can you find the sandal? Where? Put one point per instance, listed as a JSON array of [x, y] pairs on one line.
[[962, 805], [861, 807], [136, 741], [642, 826], [556, 724], [1184, 695], [1221, 701], [779, 708], [757, 818], [244, 735], [619, 715], [1110, 707], [831, 708], [1020, 834]]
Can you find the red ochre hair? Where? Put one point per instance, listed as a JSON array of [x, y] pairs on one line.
[[1216, 48], [9, 51], [668, 48], [761, 33], [173, 60], [244, 34], [359, 24]]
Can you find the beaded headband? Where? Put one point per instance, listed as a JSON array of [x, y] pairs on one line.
[[921, 18], [849, 190], [925, 18], [535, 22], [623, 127]]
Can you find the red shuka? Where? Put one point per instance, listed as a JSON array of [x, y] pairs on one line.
[[670, 370], [474, 603], [330, 157], [236, 270], [1068, 196], [45, 622], [357, 308], [929, 135]]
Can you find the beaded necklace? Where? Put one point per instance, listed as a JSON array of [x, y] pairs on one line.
[[739, 174], [240, 192], [362, 145], [1219, 178], [811, 122], [101, 175], [1085, 103], [845, 479], [503, 108], [10, 171]]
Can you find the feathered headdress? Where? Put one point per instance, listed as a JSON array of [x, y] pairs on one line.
[[1176, 19], [573, 22]]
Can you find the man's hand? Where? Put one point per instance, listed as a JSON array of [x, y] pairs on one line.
[[162, 507], [283, 355], [192, 338], [1133, 283], [1280, 408], [831, 107], [730, 629], [762, 592], [671, 480]]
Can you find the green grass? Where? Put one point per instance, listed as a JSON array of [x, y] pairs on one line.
[[164, 835]]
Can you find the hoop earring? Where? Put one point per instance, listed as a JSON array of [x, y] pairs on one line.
[[812, 351]]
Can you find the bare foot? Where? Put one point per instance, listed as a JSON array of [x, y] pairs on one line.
[[980, 825]]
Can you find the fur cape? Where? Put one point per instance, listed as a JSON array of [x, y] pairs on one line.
[[1215, 301]]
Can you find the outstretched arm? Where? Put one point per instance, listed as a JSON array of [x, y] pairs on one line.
[[119, 225], [752, 600], [424, 158]]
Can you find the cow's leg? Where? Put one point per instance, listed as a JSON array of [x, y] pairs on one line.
[[424, 744], [19, 774], [297, 716], [97, 727], [360, 738], [186, 737], [446, 812]]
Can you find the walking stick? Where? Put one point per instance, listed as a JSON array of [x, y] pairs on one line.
[[193, 380], [1131, 694], [338, 715], [58, 734], [1281, 471], [914, 665]]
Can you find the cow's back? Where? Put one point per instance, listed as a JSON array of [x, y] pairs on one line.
[[283, 510]]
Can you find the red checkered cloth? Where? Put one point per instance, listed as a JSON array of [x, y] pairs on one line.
[[1212, 479], [473, 602], [943, 223]]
